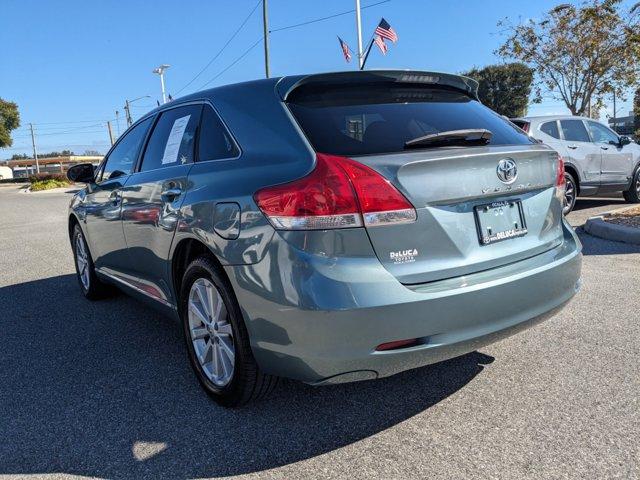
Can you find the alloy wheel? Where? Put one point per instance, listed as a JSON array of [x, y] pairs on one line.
[[82, 261], [211, 332], [569, 196]]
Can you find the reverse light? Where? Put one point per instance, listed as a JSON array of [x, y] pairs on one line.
[[338, 193]]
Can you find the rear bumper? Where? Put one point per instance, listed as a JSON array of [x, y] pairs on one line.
[[319, 319]]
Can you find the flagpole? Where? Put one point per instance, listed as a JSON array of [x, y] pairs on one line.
[[359, 29], [366, 55]]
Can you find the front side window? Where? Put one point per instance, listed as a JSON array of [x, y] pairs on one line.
[[172, 141], [551, 129], [381, 118], [122, 158], [602, 134], [214, 141], [574, 131]]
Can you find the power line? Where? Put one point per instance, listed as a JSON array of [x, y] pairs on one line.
[[244, 54], [222, 49], [321, 19]]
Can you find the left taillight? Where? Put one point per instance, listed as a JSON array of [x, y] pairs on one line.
[[560, 180], [338, 193]]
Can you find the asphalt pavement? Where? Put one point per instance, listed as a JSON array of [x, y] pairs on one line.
[[104, 389]]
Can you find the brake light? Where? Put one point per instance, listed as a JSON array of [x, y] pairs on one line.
[[560, 179], [338, 193]]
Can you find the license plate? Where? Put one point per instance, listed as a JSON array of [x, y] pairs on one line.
[[499, 221]]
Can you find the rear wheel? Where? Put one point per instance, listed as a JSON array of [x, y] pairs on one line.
[[633, 194], [570, 193], [90, 285], [217, 339]]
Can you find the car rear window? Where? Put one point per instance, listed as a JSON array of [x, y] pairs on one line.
[[550, 128], [380, 118]]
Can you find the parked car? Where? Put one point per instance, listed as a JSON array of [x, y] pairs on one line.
[[597, 160], [328, 228]]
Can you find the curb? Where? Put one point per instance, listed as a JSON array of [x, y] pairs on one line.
[[599, 227]]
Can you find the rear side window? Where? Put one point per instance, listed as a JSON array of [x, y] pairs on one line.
[[214, 142], [574, 131], [380, 118], [123, 157], [551, 129], [172, 141]]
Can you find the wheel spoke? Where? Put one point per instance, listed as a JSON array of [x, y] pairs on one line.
[[193, 307], [225, 328], [226, 349], [198, 333]]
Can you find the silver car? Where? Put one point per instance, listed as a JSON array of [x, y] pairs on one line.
[[328, 228], [597, 160]]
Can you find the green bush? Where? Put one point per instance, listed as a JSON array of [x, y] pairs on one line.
[[38, 185], [38, 177]]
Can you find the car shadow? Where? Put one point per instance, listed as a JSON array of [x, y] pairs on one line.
[[104, 389], [585, 203]]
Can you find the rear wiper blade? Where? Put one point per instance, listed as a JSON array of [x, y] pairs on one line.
[[470, 136]]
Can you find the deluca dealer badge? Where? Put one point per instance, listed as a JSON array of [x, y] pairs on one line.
[[404, 256]]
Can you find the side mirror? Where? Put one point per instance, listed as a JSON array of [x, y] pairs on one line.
[[83, 172], [624, 140]]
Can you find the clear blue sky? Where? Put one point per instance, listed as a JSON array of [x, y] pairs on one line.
[[72, 61]]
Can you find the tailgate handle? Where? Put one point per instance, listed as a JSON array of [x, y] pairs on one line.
[[170, 194]]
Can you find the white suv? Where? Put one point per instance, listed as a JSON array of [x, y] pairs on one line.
[[597, 160]]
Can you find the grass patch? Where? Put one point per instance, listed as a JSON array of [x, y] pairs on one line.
[[39, 185]]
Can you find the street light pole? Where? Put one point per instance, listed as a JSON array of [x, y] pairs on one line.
[[265, 26], [127, 108], [359, 30], [160, 71]]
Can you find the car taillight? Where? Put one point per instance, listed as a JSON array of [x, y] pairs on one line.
[[526, 127], [560, 179], [338, 193]]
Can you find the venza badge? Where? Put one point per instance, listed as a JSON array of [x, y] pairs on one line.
[[507, 170]]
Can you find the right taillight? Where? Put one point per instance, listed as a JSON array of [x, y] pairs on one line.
[[338, 193], [560, 180]]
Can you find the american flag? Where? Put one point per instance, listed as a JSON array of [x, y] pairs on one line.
[[345, 50], [384, 30], [379, 41]]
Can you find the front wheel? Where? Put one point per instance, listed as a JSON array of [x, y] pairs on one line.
[[90, 285], [633, 194], [570, 194], [217, 339]]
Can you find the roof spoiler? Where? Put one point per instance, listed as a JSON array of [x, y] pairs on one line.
[[464, 84]]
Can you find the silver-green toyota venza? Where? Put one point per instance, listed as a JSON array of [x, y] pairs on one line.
[[328, 228]]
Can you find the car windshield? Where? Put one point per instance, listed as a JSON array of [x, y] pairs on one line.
[[382, 118]]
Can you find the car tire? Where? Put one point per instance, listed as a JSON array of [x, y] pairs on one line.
[[633, 194], [214, 333], [90, 285], [570, 193]]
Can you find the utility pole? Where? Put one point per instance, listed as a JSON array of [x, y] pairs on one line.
[[35, 152], [127, 112], [110, 132], [265, 22], [615, 115], [359, 29], [118, 122]]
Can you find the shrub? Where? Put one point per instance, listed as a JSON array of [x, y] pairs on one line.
[[60, 177], [48, 184]]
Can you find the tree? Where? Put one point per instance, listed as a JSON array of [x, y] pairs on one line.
[[9, 120], [504, 88], [580, 54]]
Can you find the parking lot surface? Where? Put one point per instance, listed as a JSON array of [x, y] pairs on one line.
[[104, 389]]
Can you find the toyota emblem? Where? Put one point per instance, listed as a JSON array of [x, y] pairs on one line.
[[507, 170]]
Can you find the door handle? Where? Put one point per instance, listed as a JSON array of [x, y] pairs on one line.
[[604, 148], [572, 147], [170, 194], [115, 197]]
